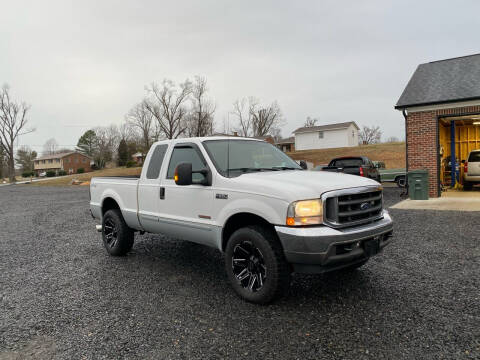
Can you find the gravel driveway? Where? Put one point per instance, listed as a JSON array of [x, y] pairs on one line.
[[62, 296]]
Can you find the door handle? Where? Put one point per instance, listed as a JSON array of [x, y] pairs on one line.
[[162, 193]]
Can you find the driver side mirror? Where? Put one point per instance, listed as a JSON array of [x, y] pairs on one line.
[[183, 174], [303, 164]]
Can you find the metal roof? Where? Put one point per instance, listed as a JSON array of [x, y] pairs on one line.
[[343, 125], [443, 81], [59, 156]]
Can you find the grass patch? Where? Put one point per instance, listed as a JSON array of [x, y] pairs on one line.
[[393, 154], [66, 180]]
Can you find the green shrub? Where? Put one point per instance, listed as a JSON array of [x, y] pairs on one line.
[[50, 173], [131, 164], [27, 174], [62, 172], [80, 170]]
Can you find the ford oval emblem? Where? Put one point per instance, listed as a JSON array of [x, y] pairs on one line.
[[365, 206]]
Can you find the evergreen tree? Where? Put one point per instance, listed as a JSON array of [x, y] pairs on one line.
[[87, 144], [122, 153], [25, 157]]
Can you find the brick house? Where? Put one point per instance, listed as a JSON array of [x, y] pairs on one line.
[[286, 145], [69, 162], [441, 108]]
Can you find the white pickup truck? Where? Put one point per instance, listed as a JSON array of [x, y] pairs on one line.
[[248, 199]]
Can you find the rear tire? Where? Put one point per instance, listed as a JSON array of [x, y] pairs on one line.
[[256, 265], [400, 181], [117, 236], [467, 185]]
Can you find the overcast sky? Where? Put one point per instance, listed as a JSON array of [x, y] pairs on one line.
[[81, 64]]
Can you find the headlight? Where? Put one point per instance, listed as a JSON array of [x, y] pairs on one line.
[[306, 212]]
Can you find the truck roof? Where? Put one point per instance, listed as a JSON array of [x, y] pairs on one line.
[[205, 138]]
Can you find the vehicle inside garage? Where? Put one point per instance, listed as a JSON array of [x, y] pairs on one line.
[[458, 137]]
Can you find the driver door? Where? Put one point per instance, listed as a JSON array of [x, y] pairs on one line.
[[186, 212]]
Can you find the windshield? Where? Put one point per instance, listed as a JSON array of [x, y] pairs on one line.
[[234, 157]]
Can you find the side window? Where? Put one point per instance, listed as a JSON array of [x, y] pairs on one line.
[[189, 155], [156, 161], [320, 134]]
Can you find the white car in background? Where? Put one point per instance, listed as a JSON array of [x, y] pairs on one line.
[[471, 170], [42, 174]]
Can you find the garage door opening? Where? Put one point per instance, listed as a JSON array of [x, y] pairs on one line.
[[458, 136]]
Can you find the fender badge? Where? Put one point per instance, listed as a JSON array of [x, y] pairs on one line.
[[221, 196]]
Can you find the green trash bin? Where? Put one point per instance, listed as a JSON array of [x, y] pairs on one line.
[[418, 184]]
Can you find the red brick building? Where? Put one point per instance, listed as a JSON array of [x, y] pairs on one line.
[[441, 107], [69, 162]]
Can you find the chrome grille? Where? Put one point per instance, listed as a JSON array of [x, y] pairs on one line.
[[352, 207]]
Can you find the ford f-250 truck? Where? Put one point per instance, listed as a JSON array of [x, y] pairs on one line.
[[248, 199]]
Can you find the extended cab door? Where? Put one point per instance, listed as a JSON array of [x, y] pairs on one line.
[[186, 211], [150, 190]]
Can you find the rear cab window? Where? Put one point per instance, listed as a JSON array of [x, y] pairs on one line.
[[156, 161], [347, 162]]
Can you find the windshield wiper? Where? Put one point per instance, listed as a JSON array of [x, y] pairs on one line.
[[246, 169], [285, 168]]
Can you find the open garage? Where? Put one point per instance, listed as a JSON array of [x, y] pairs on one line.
[[441, 107]]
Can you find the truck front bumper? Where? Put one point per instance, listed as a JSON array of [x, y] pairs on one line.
[[321, 248]]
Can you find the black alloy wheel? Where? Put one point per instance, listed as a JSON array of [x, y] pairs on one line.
[[256, 264], [248, 266], [117, 237], [111, 233]]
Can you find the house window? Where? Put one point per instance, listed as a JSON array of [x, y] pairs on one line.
[[50, 161], [76, 160], [320, 134], [84, 160], [353, 133]]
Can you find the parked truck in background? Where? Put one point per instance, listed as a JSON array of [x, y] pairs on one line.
[[354, 165], [252, 202]]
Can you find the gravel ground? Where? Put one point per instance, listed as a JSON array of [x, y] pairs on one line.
[[62, 296]]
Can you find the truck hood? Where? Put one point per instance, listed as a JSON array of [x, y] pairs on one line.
[[292, 185]]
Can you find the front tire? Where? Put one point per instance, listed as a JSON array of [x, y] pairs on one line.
[[256, 265], [467, 185], [117, 236]]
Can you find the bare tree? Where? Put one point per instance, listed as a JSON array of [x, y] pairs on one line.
[[142, 120], [392, 139], [167, 105], [266, 119], [104, 146], [276, 133], [13, 120], [200, 120], [50, 147], [310, 122], [370, 135], [244, 109]]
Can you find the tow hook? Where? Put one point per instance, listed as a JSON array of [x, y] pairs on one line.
[[99, 228]]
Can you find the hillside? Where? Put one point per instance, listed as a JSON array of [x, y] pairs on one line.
[[66, 180], [393, 154]]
